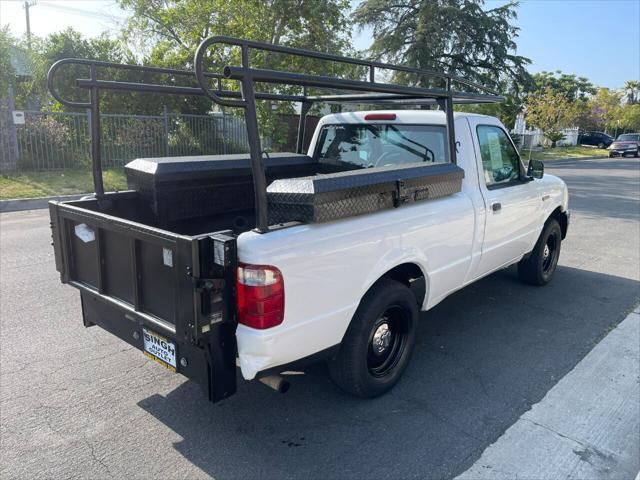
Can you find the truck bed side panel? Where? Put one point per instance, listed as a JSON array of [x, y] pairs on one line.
[[328, 267]]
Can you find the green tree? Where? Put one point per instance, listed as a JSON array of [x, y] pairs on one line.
[[572, 86], [457, 36], [600, 111], [506, 111], [551, 112], [171, 31], [69, 43], [7, 72], [627, 118], [577, 91]]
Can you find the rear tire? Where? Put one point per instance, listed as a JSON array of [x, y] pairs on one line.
[[378, 344], [601, 146], [539, 267]]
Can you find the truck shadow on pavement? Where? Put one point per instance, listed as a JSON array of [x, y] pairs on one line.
[[483, 357]]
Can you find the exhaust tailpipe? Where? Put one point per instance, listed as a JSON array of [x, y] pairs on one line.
[[276, 382]]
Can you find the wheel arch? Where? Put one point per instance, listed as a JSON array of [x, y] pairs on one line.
[[561, 216], [410, 274]]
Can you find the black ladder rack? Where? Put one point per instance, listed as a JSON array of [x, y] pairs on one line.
[[352, 91]]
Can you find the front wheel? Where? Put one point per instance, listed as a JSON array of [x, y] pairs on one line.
[[538, 268], [378, 344]]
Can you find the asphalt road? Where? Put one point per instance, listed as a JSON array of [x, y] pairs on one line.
[[78, 403]]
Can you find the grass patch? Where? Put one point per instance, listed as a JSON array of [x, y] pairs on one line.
[[563, 152], [43, 184]]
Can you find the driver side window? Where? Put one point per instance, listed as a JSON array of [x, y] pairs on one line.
[[500, 160]]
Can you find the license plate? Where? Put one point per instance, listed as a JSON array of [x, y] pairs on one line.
[[159, 349]]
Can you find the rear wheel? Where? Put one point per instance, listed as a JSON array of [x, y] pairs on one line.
[[378, 343], [539, 267], [601, 145]]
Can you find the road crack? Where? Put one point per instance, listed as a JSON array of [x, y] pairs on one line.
[[96, 459]]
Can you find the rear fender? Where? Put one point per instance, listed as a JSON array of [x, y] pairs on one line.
[[392, 259]]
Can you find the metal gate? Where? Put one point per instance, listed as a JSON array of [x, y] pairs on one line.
[[61, 140]]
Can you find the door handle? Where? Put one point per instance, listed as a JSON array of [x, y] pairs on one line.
[[496, 207]]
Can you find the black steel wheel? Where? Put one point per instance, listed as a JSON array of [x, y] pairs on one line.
[[538, 268], [551, 253], [377, 346], [387, 341]]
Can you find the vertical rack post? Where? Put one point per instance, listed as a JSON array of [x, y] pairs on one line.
[[96, 159], [302, 124], [451, 133], [257, 167]]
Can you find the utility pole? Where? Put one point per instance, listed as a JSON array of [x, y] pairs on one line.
[[27, 4]]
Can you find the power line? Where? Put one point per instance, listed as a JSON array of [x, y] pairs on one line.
[[78, 11]]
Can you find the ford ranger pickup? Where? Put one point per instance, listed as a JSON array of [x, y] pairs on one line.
[[228, 267]]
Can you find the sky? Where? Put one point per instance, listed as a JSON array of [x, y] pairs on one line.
[[597, 39]]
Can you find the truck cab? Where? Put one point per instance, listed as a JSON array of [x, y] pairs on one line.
[[494, 221]]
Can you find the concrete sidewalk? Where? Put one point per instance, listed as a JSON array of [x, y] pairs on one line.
[[586, 427]]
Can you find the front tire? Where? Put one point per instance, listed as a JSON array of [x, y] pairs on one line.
[[379, 341], [538, 268]]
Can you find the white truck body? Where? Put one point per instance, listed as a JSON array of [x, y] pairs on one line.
[[328, 267]]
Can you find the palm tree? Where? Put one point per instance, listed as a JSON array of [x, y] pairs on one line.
[[632, 91]]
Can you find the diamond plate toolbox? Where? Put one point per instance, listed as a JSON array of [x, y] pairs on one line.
[[323, 198]]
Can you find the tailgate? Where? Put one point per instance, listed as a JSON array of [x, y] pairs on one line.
[[180, 286]]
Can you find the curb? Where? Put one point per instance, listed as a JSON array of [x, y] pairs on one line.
[[20, 204], [564, 159]]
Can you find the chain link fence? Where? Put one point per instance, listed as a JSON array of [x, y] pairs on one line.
[[61, 140]]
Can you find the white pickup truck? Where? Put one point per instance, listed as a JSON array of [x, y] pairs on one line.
[[348, 283], [203, 292]]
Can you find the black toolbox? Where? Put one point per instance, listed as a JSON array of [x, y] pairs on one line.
[[179, 188], [324, 198]]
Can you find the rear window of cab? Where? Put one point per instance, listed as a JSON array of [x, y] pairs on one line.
[[378, 145]]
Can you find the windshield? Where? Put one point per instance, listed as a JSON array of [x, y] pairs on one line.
[[629, 137], [378, 145]]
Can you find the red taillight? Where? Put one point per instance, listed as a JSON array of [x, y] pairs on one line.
[[260, 291], [380, 116]]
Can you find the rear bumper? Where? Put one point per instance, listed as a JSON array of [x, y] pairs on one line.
[[262, 350], [203, 364]]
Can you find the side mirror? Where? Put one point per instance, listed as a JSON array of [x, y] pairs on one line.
[[536, 169]]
